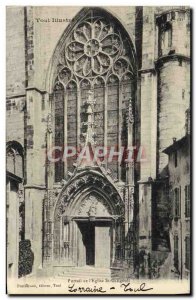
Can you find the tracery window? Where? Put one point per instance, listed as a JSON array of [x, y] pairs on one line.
[[59, 127], [14, 159], [165, 42], [187, 201], [187, 253], [177, 208], [97, 56], [176, 252]]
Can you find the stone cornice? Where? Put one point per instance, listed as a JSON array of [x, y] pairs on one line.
[[36, 89], [35, 186], [13, 176], [148, 70], [170, 57], [15, 96], [159, 16]]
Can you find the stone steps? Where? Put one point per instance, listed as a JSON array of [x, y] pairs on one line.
[[85, 272]]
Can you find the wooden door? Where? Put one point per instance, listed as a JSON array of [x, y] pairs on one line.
[[81, 247], [102, 246]]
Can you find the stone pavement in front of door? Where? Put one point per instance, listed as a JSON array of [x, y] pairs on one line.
[[85, 272]]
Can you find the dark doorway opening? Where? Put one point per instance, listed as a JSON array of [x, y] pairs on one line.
[[88, 237]]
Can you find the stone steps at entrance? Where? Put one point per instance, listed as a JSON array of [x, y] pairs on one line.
[[85, 272]]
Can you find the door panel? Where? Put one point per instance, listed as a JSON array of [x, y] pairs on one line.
[[81, 249], [102, 246], [86, 244]]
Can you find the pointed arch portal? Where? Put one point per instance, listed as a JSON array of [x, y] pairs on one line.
[[95, 53], [86, 225]]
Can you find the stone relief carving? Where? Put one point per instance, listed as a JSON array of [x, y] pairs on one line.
[[21, 105], [49, 123], [21, 210], [94, 206], [130, 112], [78, 184], [21, 193], [51, 198]]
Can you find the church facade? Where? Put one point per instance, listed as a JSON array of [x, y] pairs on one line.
[[114, 81]]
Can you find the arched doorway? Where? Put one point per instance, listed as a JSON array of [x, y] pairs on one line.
[[96, 54], [92, 219], [85, 227]]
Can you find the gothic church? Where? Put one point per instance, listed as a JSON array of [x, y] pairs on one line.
[[113, 77]]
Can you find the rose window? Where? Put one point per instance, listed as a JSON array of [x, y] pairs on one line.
[[95, 54], [93, 48]]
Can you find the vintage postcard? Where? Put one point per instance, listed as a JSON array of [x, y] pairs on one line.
[[98, 142]]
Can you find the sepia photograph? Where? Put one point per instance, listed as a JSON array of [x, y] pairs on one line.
[[98, 150]]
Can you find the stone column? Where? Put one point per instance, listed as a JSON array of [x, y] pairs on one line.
[[148, 141], [173, 68], [145, 226], [148, 97], [35, 187]]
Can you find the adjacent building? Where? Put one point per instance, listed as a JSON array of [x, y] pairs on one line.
[[180, 196]]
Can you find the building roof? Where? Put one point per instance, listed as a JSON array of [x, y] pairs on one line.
[[185, 140]]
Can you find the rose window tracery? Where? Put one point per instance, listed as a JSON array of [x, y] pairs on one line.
[[96, 55], [95, 48]]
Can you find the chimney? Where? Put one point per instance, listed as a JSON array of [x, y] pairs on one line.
[[187, 121]]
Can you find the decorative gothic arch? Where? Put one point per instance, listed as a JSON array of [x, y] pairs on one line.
[[88, 196], [96, 57], [83, 184], [95, 53], [15, 158], [53, 69]]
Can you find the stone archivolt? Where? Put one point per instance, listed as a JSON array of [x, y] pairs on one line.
[[82, 186]]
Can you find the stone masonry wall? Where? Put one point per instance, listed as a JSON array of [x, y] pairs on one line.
[[15, 51], [15, 74], [15, 119], [173, 67], [174, 99]]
